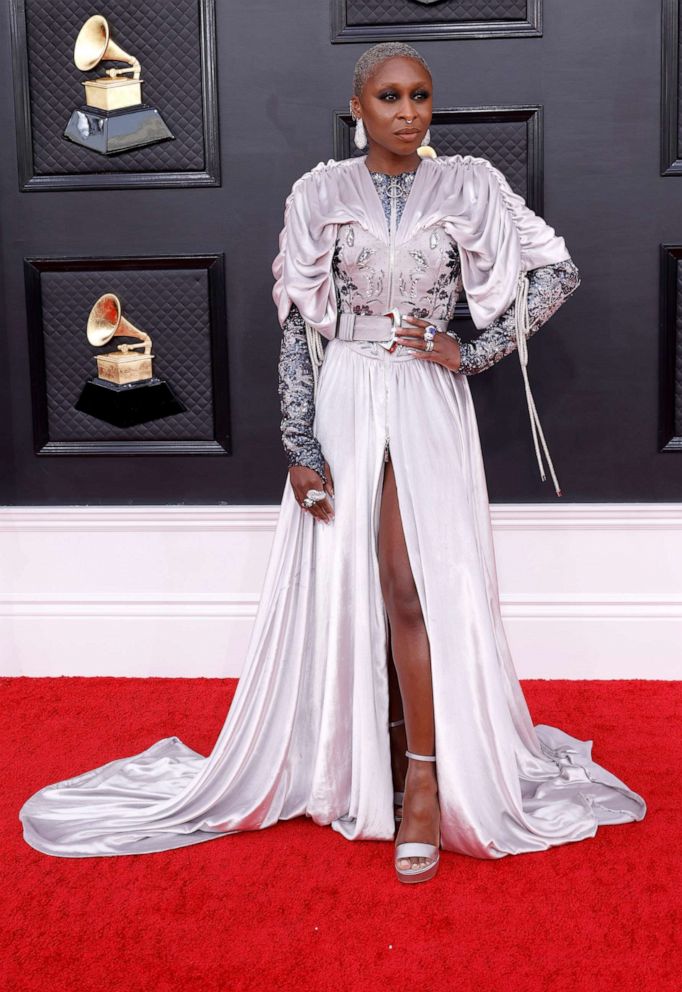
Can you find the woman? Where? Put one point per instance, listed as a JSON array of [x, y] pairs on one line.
[[378, 635]]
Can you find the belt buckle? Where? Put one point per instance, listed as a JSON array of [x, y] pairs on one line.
[[397, 320]]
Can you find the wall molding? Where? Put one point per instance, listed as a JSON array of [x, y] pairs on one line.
[[532, 516], [587, 590]]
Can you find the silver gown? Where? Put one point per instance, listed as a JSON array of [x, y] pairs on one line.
[[307, 731]]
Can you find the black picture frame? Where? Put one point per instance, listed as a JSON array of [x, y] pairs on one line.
[[214, 266], [344, 31], [670, 356], [32, 181], [671, 84]]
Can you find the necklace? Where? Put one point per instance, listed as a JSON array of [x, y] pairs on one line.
[[395, 185]]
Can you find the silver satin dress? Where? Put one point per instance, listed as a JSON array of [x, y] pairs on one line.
[[307, 731]]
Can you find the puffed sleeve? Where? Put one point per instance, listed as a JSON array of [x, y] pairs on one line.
[[302, 268], [499, 237], [500, 240]]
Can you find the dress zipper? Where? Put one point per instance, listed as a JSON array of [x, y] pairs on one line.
[[391, 248], [391, 235]]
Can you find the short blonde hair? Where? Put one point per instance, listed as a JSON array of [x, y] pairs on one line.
[[370, 60]]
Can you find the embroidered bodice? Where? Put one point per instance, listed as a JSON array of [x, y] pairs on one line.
[[419, 276], [426, 283]]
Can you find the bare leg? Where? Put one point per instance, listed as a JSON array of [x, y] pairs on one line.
[[411, 654], [395, 712]]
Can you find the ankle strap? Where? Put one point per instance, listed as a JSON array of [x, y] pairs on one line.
[[421, 757], [396, 723]]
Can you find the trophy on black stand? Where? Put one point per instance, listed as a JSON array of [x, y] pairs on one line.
[[113, 118], [125, 391]]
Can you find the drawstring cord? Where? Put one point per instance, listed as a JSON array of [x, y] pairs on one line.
[[522, 331], [316, 352]]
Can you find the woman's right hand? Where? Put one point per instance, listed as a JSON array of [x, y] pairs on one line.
[[302, 479]]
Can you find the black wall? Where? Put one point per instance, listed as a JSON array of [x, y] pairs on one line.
[[594, 367]]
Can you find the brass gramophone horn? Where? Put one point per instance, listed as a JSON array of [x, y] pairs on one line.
[[94, 44], [106, 322]]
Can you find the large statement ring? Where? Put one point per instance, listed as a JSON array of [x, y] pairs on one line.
[[313, 496], [430, 332]]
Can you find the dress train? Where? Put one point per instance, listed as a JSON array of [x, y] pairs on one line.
[[307, 731]]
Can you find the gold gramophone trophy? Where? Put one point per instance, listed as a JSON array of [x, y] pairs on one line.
[[113, 118], [125, 391]]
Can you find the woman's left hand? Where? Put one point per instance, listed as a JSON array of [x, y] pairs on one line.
[[445, 348]]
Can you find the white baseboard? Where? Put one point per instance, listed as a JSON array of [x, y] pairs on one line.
[[587, 590]]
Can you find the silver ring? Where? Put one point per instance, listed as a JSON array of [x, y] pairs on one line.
[[313, 496], [429, 345], [430, 332]]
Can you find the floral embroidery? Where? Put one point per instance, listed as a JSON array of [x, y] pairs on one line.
[[443, 294], [296, 396], [351, 297], [548, 287]]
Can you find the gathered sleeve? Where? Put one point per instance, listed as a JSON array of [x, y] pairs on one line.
[[501, 241], [302, 268], [499, 237], [305, 296]]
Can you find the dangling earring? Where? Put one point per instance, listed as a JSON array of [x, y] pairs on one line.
[[360, 137], [425, 150]]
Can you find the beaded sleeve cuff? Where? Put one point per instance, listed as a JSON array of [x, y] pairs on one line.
[[296, 393], [548, 287]]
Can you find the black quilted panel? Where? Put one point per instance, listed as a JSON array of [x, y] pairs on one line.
[[677, 398], [165, 38], [365, 12], [171, 306], [504, 143], [679, 91]]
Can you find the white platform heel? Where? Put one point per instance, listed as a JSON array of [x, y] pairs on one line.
[[417, 849]]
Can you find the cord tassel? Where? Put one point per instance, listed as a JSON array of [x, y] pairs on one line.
[[522, 322], [316, 352]]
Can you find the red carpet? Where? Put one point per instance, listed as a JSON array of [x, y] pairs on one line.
[[297, 906]]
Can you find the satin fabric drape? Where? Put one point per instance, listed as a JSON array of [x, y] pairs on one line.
[[498, 236], [307, 732]]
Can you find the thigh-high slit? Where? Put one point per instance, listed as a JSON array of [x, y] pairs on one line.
[[307, 732]]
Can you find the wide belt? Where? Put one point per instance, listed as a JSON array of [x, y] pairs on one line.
[[363, 327]]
